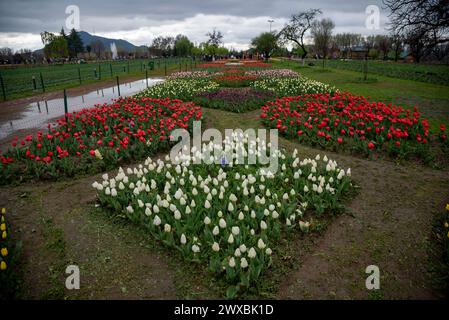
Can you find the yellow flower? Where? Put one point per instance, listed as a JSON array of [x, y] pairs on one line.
[[98, 154], [3, 265], [447, 207], [2, 227], [4, 235], [446, 224], [4, 252], [3, 210]]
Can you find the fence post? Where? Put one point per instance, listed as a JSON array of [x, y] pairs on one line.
[[79, 74], [128, 66], [99, 71], [118, 87], [110, 68], [3, 87], [42, 82], [66, 107], [34, 83]]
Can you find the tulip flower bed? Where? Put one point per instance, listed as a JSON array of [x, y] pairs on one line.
[[3, 243], [344, 121], [234, 81], [234, 99], [98, 138], [228, 217], [184, 89], [272, 73], [189, 75], [295, 86], [9, 278]]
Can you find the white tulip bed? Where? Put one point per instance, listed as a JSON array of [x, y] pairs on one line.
[[226, 215]]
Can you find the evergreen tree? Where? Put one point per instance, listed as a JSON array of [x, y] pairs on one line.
[[75, 43]]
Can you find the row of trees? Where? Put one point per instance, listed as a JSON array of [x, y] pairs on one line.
[[182, 46], [419, 28]]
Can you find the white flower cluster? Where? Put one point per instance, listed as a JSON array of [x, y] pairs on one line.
[[189, 75], [178, 88], [272, 73], [228, 214], [293, 86]]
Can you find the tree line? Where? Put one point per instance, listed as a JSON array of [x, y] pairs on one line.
[[418, 29]]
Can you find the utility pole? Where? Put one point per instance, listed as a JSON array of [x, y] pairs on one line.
[[270, 22]]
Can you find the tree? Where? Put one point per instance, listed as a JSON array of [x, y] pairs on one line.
[[6, 55], [183, 46], [214, 42], [163, 46], [424, 24], [322, 36], [97, 47], [396, 45], [75, 44], [345, 41], [383, 43], [265, 43], [297, 28], [47, 37], [215, 38], [57, 48]]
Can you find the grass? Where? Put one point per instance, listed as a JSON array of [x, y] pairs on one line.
[[18, 81], [431, 99], [430, 73]]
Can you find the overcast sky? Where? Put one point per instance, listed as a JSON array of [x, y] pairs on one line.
[[139, 21]]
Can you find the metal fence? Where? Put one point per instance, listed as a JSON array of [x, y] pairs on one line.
[[26, 80]]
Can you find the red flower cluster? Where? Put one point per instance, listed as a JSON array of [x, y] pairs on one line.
[[235, 78], [127, 128], [346, 120]]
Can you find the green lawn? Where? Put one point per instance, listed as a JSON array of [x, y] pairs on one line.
[[18, 81], [431, 99]]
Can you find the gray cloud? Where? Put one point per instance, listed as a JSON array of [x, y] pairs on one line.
[[139, 21]]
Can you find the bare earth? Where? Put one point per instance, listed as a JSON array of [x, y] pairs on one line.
[[388, 224]]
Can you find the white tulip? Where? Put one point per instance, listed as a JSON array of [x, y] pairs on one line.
[[167, 227], [231, 238], [183, 239], [260, 244], [157, 221], [252, 253], [235, 230], [148, 212], [222, 223], [215, 247], [263, 225], [215, 231], [232, 262], [243, 263], [237, 252], [130, 209], [207, 220], [195, 248]]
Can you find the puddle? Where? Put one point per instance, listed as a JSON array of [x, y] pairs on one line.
[[38, 114]]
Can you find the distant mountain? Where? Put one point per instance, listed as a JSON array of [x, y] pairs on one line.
[[88, 39]]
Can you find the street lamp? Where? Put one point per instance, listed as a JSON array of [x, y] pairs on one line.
[[270, 22]]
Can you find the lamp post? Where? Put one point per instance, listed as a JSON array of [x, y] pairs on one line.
[[270, 22]]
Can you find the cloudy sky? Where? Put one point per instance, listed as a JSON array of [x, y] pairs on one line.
[[139, 21]]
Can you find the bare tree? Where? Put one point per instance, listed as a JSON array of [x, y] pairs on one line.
[[297, 28], [424, 24], [322, 35], [215, 37]]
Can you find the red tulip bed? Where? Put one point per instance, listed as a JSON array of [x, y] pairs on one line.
[[345, 121], [97, 139]]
